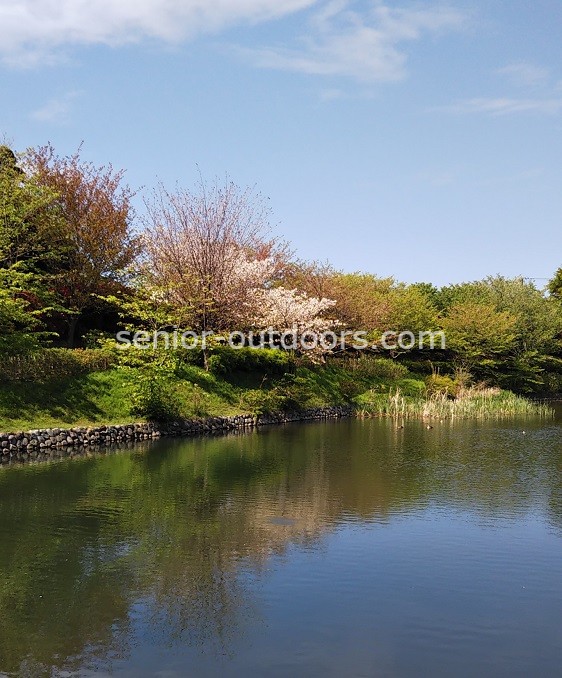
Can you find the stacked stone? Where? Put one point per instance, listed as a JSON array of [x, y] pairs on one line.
[[56, 442], [304, 415]]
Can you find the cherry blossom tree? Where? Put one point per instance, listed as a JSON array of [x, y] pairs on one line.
[[281, 311], [208, 250]]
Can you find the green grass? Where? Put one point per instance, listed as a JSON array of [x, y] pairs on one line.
[[105, 397], [377, 387], [100, 397]]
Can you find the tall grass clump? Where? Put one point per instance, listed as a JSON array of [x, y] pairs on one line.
[[470, 403]]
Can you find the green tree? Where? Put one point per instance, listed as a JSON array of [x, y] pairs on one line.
[[536, 331], [95, 208], [363, 301], [479, 335], [411, 310], [29, 228], [28, 249], [432, 293], [555, 285], [20, 309]]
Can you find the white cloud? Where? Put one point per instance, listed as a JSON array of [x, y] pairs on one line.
[[365, 46], [525, 74], [55, 110], [331, 94], [504, 106], [362, 41], [544, 101], [31, 29]]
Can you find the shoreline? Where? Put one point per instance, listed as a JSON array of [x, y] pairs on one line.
[[45, 444]]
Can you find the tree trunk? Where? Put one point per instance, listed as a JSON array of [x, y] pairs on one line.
[[72, 330]]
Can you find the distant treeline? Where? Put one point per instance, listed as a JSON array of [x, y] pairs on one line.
[[77, 265]]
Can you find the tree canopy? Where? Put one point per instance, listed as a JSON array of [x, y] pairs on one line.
[[74, 256]]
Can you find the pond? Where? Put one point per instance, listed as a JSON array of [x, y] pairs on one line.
[[350, 548]]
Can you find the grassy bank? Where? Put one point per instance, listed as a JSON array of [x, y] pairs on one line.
[[133, 388], [120, 395]]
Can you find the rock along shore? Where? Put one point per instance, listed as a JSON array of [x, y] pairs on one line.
[[49, 443]]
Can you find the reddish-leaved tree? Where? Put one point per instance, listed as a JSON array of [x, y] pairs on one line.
[[98, 243]]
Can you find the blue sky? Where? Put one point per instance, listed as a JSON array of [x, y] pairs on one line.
[[416, 139]]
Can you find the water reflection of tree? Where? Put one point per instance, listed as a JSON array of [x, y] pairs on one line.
[[94, 548]]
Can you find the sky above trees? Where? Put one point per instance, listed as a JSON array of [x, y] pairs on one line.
[[420, 140]]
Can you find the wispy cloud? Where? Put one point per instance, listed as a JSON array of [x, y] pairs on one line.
[[56, 110], [524, 74], [504, 106], [32, 29], [365, 46], [331, 94], [364, 41], [542, 96]]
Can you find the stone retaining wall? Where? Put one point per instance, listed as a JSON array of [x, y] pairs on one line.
[[44, 444]]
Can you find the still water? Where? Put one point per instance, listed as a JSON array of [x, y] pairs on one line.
[[348, 548]]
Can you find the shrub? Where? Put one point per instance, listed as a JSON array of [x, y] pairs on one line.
[[258, 402], [370, 367], [439, 383], [295, 390], [350, 388], [413, 388], [153, 395], [55, 363], [225, 360]]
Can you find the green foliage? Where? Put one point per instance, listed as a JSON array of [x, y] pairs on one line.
[[414, 388], [412, 309], [167, 387], [54, 364], [142, 307], [19, 316], [153, 395], [30, 232], [430, 292], [24, 243], [226, 360], [505, 330], [258, 401], [68, 246], [479, 334], [538, 319], [297, 390], [555, 285], [440, 383], [373, 368]]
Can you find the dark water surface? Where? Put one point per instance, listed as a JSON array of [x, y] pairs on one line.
[[345, 548]]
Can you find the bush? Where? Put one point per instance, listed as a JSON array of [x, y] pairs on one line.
[[55, 363], [413, 388], [153, 395], [258, 402], [225, 360], [350, 388], [438, 383], [369, 367], [296, 390]]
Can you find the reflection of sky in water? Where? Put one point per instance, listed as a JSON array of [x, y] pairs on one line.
[[337, 548]]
